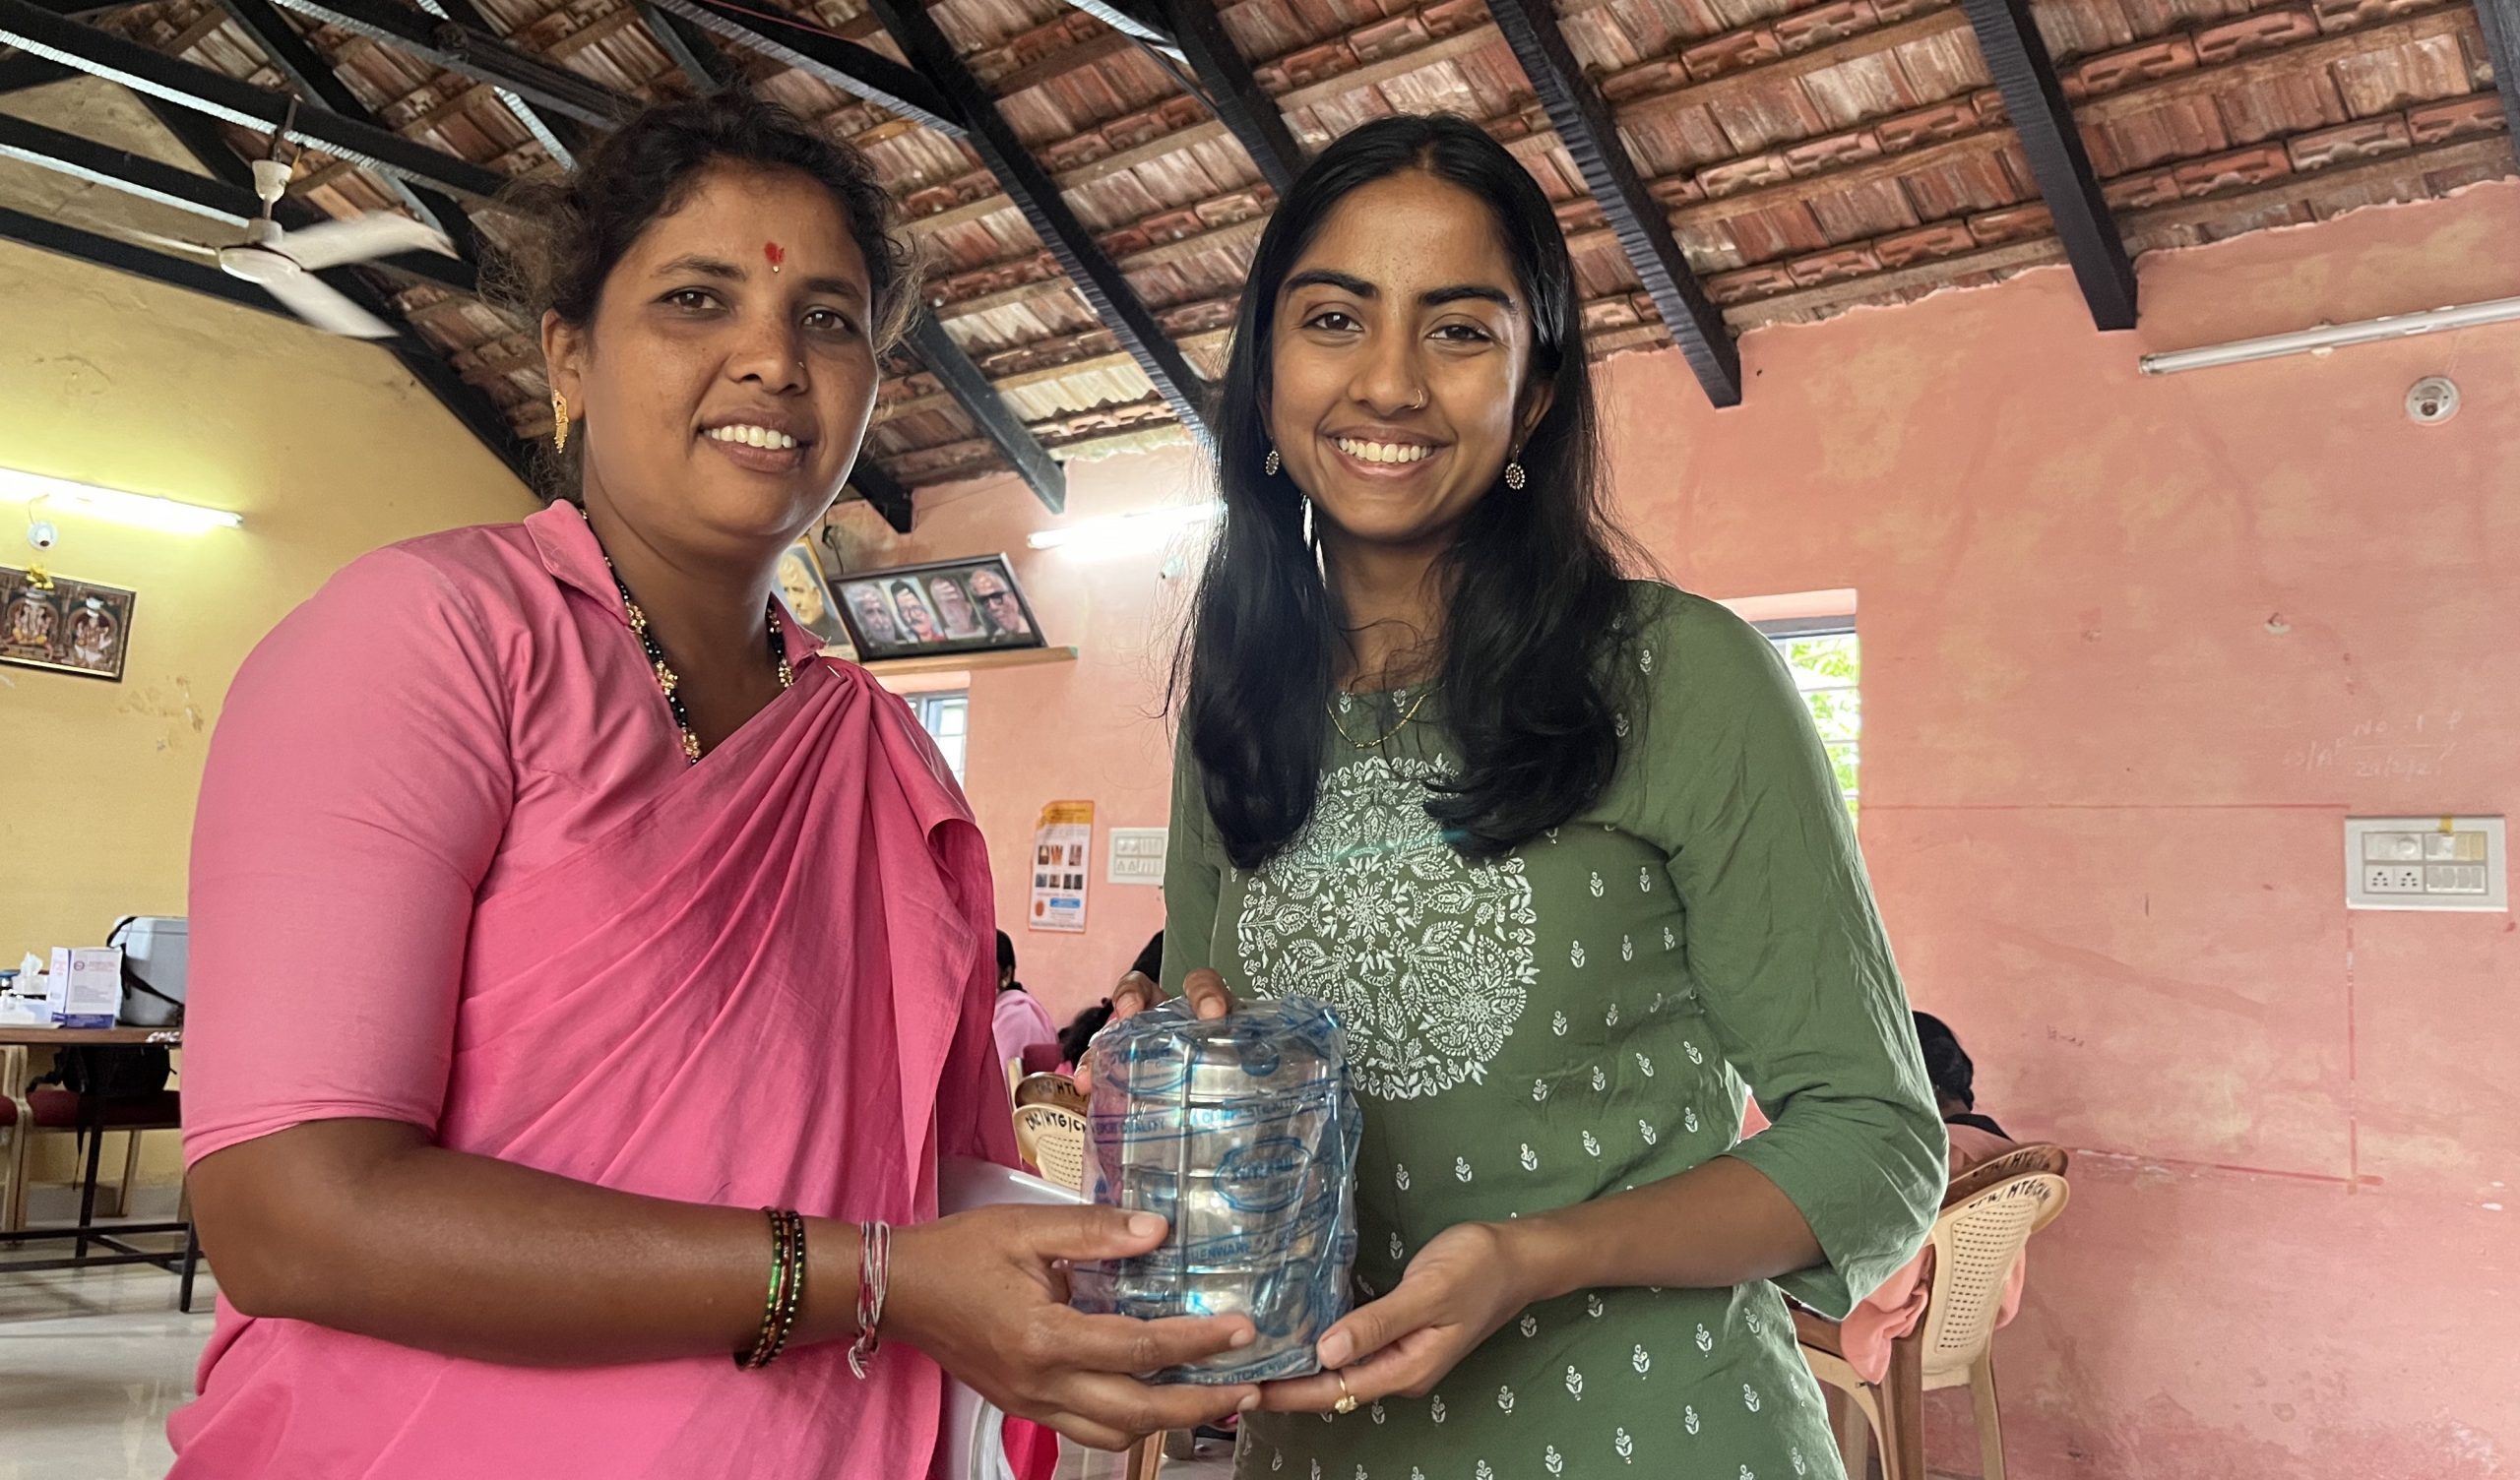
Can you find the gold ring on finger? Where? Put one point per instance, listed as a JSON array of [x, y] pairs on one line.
[[1346, 1401]]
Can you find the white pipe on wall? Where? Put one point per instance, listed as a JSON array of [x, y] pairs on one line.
[[2332, 337]]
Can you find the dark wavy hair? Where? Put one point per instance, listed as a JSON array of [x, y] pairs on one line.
[[569, 234], [1535, 578]]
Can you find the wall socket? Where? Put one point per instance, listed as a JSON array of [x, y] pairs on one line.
[[2455, 863]]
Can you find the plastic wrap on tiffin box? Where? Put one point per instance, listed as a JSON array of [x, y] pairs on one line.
[[1241, 1131]]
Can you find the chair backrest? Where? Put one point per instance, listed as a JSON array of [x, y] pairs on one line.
[[1053, 1139], [1050, 1089], [1990, 1215], [2034, 1157]]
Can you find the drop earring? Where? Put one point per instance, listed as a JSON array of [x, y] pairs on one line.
[[559, 422], [1515, 477], [1270, 465]]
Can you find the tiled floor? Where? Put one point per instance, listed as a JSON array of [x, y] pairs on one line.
[[90, 1366], [92, 1363]]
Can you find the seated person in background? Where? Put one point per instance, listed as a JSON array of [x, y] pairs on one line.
[[1022, 1020], [1078, 1035], [1975, 1137], [1893, 1311]]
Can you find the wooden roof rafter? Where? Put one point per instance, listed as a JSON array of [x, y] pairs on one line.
[[2035, 100], [1583, 124], [1087, 267]]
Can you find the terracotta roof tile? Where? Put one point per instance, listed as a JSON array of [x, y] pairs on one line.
[[1815, 154]]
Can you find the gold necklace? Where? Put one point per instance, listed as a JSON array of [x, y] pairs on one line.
[[1386, 737], [668, 680]]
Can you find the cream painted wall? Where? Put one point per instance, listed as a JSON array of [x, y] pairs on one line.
[[326, 447]]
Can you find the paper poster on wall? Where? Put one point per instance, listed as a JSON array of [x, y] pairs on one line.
[[1060, 847]]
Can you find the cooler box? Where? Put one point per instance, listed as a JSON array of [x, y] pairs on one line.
[[155, 952]]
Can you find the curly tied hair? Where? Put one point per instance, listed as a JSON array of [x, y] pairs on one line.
[[570, 233]]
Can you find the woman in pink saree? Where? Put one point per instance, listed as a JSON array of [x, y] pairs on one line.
[[586, 985]]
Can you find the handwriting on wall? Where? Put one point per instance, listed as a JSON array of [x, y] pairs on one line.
[[2415, 746]]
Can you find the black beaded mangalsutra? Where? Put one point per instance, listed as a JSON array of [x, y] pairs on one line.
[[669, 681]]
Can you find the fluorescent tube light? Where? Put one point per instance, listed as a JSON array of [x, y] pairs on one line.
[[2332, 337], [145, 509], [1146, 529]]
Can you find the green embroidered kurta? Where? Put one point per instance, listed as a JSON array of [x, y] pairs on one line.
[[1581, 1018]]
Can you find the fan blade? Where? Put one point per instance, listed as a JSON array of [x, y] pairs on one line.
[[172, 244], [331, 244], [321, 304]]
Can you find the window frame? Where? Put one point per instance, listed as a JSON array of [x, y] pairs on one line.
[[1781, 631]]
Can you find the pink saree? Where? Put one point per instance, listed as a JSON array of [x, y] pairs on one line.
[[771, 984]]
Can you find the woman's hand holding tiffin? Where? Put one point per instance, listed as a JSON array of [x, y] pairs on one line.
[[985, 1294]]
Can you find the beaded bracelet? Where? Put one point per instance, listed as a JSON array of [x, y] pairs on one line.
[[792, 1299], [787, 1297], [874, 1278]]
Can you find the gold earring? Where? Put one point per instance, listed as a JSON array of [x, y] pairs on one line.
[[1515, 477], [559, 422], [1270, 465]]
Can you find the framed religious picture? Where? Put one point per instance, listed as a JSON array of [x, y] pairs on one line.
[[810, 600], [948, 606], [66, 626]]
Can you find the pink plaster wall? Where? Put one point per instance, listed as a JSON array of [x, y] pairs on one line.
[[1089, 731], [2133, 650]]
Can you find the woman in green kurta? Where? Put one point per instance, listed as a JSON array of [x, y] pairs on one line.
[[1562, 850]]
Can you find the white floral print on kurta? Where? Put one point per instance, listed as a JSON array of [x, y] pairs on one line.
[[1428, 959]]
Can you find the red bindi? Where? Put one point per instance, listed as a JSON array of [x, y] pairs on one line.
[[777, 255]]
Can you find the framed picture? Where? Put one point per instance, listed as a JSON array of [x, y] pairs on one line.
[[66, 626], [810, 601], [949, 607]]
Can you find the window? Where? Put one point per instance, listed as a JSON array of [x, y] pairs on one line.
[[947, 718], [1828, 668]]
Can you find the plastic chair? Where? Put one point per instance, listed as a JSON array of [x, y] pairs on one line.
[[975, 1433], [12, 1164], [1050, 1089], [1987, 1216], [64, 1110], [1052, 1137]]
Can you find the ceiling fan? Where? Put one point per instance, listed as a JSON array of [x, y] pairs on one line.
[[283, 263]]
